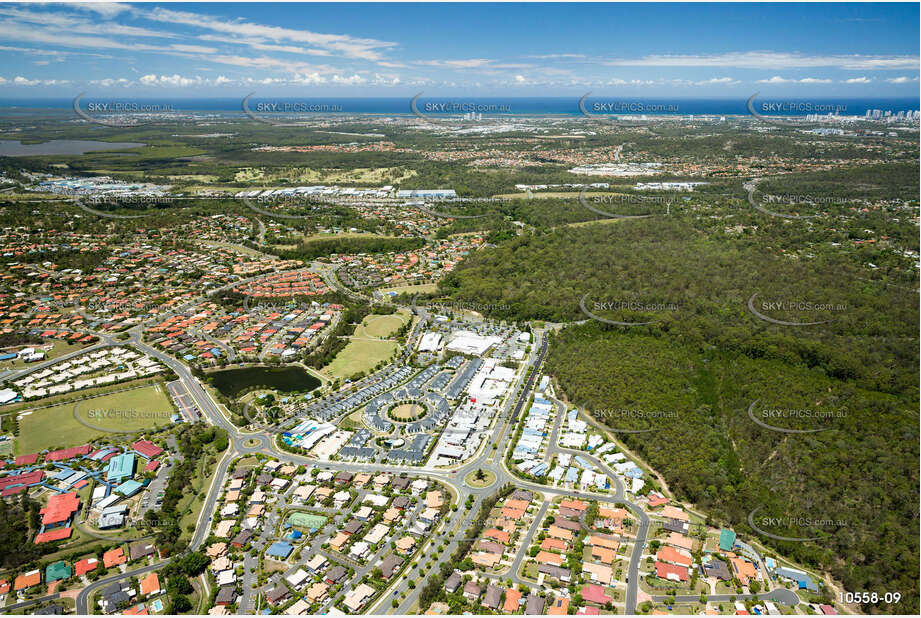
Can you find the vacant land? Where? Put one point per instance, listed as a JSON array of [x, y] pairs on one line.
[[359, 355], [382, 326], [368, 346], [129, 410], [422, 288]]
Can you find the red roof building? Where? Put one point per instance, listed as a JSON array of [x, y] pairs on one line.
[[593, 593], [671, 571], [26, 460], [55, 534], [68, 453], [23, 480], [27, 580], [114, 557], [150, 584], [60, 508], [85, 566], [147, 448]]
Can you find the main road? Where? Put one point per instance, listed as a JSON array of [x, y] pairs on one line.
[[453, 528]]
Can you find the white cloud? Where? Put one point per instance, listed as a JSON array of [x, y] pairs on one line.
[[902, 80], [777, 79], [470, 63], [717, 81], [19, 80], [105, 9], [352, 47], [772, 60], [858, 80], [175, 80], [109, 82], [193, 49]]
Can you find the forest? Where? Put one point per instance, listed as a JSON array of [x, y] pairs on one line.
[[701, 357]]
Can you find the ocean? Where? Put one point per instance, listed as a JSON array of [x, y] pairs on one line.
[[488, 106]]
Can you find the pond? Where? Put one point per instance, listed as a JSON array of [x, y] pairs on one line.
[[232, 382], [15, 148]]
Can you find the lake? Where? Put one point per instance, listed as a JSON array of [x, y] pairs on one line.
[[232, 382], [15, 148]]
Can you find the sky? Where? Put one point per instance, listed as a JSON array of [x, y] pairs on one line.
[[490, 50]]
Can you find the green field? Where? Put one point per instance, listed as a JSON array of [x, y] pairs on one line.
[[56, 427], [359, 355], [366, 347], [422, 288], [382, 325]]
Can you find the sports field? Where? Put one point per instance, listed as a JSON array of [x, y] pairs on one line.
[[307, 521], [130, 410]]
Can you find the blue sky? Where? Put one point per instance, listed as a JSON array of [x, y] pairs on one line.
[[656, 50]]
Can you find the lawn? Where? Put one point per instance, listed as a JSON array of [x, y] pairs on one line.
[[130, 410], [488, 479], [381, 326], [363, 354], [407, 412], [422, 288]]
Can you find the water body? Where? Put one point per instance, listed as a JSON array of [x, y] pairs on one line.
[[15, 148], [537, 106], [232, 382]]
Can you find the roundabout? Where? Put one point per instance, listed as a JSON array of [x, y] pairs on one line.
[[479, 478]]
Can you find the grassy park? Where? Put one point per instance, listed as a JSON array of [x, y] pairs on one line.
[[128, 410], [368, 346]]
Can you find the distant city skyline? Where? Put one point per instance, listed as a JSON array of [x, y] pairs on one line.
[[479, 50]]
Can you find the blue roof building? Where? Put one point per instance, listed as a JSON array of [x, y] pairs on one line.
[[128, 488], [279, 549], [121, 467]]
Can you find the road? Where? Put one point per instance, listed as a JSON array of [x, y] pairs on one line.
[[452, 528]]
